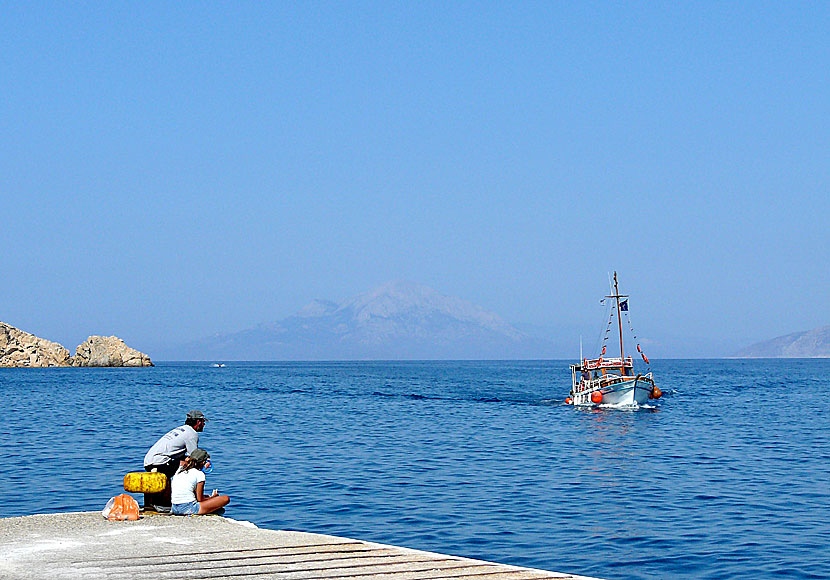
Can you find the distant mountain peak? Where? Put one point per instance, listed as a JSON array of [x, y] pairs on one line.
[[399, 319], [317, 308], [402, 298], [402, 287], [392, 296]]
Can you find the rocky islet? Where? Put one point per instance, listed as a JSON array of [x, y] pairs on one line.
[[22, 349]]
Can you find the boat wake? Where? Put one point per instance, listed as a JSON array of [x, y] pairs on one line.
[[626, 407]]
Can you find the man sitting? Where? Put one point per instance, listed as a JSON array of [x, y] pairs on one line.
[[167, 453]]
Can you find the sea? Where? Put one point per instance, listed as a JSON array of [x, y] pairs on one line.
[[726, 476]]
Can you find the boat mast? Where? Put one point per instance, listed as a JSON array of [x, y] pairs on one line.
[[619, 323]]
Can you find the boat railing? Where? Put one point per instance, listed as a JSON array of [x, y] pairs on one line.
[[607, 381], [590, 384]]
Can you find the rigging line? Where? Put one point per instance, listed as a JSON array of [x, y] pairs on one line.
[[630, 327], [611, 309], [608, 328], [641, 351], [600, 341]]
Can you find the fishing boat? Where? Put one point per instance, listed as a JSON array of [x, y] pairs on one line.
[[611, 381]]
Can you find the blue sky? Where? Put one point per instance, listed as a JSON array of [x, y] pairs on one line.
[[179, 170]]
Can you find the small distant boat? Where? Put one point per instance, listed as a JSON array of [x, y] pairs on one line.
[[611, 381], [218, 365]]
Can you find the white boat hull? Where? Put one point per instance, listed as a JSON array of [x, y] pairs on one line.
[[631, 393]]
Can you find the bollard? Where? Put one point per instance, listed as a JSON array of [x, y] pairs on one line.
[[152, 484]]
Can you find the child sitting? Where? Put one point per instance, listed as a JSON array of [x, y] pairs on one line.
[[188, 486]]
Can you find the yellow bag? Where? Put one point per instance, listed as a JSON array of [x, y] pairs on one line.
[[121, 507]]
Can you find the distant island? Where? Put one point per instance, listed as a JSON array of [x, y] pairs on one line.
[[22, 349], [399, 320], [806, 344]]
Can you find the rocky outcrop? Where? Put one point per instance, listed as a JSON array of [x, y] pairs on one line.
[[108, 351], [21, 349]]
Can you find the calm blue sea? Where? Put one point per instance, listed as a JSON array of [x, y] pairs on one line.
[[728, 477]]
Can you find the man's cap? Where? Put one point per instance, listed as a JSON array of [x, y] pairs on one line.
[[196, 414], [200, 455]]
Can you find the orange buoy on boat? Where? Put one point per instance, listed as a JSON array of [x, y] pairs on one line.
[[569, 401], [596, 397], [656, 393]]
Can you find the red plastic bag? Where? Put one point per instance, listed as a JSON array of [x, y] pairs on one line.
[[121, 507]]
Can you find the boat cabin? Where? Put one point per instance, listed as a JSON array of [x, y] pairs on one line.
[[600, 367], [602, 371]]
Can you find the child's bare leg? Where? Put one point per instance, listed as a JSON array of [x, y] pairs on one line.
[[212, 504]]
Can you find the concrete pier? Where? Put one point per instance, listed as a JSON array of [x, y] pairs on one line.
[[84, 545]]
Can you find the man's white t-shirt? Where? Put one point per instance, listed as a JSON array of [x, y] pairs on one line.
[[183, 488]]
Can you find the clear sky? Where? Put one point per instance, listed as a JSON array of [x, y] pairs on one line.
[[179, 169]]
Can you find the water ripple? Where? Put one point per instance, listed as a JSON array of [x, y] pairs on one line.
[[726, 477]]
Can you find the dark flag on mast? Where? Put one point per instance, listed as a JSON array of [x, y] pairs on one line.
[[624, 306]]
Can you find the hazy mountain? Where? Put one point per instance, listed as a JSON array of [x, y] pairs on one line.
[[397, 321], [807, 344]]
